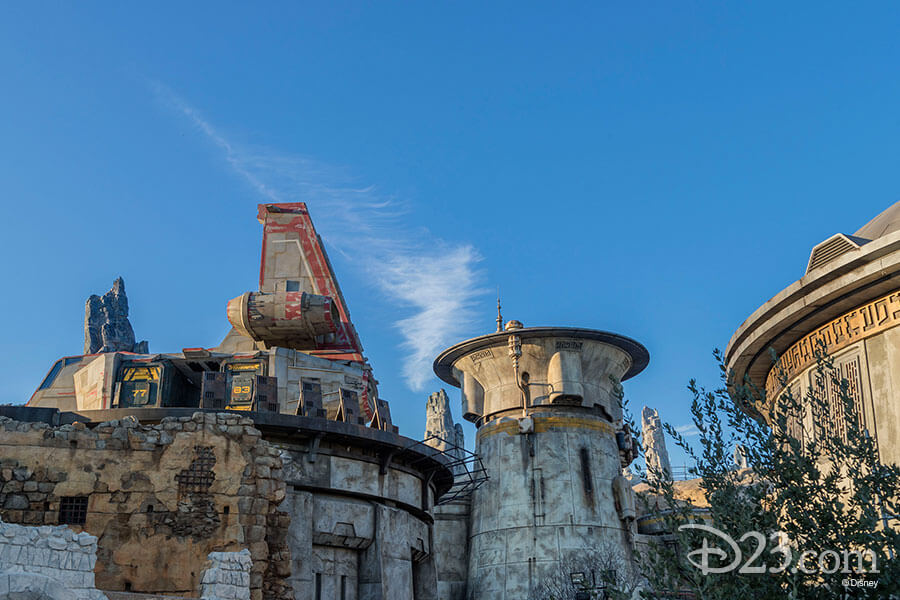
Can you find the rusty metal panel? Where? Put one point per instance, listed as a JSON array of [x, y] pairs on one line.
[[310, 404], [293, 256], [212, 390], [382, 418], [348, 411], [265, 394]]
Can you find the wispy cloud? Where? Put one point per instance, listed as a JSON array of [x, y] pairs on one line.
[[687, 430], [435, 281]]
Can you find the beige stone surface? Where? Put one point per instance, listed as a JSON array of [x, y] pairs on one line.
[[545, 401], [182, 488], [688, 491]]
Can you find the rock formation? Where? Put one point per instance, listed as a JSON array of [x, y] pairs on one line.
[[106, 325], [740, 457], [460, 436], [654, 441], [439, 424], [445, 435]]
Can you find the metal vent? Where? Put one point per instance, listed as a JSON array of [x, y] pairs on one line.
[[833, 247]]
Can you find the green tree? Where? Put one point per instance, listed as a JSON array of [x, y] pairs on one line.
[[814, 492]]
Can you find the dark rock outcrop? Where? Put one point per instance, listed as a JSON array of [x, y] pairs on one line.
[[106, 325]]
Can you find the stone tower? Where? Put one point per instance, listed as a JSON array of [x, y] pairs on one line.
[[545, 404]]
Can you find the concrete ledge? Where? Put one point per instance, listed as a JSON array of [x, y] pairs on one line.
[[824, 294], [291, 428], [640, 357]]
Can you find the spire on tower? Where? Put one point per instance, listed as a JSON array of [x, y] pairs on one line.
[[499, 316]]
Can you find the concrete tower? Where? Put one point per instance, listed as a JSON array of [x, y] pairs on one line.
[[545, 405]]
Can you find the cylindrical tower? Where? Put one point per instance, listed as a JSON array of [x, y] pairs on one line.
[[545, 404]]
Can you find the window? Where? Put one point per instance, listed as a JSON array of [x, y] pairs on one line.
[[834, 422], [51, 376], [291, 286], [199, 476], [795, 421], [73, 510]]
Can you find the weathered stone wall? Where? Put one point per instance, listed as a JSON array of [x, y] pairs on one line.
[[227, 577], [881, 413], [159, 498], [451, 528], [357, 531], [346, 519], [549, 493], [451, 548], [47, 561], [871, 367]]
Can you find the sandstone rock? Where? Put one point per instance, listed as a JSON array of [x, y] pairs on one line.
[[655, 453], [740, 457]]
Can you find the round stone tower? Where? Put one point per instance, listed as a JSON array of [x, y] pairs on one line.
[[544, 401]]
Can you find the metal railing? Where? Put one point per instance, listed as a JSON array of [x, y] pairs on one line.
[[468, 470], [682, 473]]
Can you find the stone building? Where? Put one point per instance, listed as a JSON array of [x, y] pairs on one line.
[[268, 467], [545, 402], [273, 447], [849, 301]]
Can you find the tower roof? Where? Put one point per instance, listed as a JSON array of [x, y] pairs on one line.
[[640, 357], [885, 223]]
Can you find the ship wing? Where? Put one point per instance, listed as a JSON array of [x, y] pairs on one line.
[[294, 260]]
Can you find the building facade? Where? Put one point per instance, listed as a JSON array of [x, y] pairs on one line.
[[545, 402], [847, 302], [273, 456], [274, 444]]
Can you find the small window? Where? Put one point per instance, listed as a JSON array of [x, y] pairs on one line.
[[51, 376], [291, 286], [73, 510]]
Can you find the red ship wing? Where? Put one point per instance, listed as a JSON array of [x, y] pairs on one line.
[[294, 260]]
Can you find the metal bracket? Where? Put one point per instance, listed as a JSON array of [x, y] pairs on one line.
[[313, 447], [386, 459]]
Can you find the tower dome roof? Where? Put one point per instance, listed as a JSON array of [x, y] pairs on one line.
[[886, 222]]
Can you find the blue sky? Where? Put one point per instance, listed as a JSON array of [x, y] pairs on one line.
[[653, 169]]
